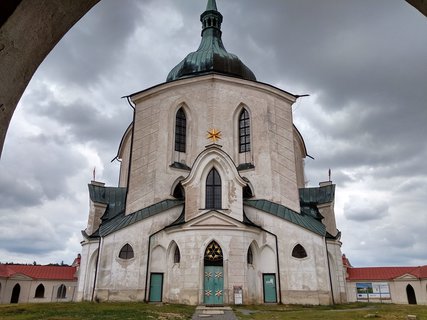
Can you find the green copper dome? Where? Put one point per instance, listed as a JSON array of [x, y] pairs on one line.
[[211, 55]]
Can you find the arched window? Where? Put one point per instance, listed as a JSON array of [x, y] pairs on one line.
[[177, 256], [126, 252], [249, 256], [213, 190], [15, 293], [247, 192], [244, 132], [179, 192], [412, 299], [62, 292], [39, 291], [299, 252], [180, 130], [213, 255]]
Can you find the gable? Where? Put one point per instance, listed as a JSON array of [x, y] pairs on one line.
[[406, 276], [214, 219], [20, 276]]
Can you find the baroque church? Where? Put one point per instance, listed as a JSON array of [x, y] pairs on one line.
[[211, 205]]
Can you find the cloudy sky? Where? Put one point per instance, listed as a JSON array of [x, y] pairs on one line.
[[363, 62]]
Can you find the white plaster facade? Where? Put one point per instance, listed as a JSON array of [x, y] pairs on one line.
[[21, 287], [276, 173], [197, 220], [406, 285]]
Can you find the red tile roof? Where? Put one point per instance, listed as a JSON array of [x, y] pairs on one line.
[[385, 273], [38, 272]]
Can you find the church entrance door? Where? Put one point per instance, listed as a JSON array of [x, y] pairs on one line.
[[269, 281], [156, 287], [213, 284]]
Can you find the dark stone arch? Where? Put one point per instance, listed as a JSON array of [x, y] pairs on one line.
[[412, 299], [299, 252], [61, 292], [39, 291], [15, 293]]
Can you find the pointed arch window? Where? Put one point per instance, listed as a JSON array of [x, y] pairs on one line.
[[213, 255], [244, 131], [126, 252], [179, 192], [213, 190], [299, 252], [39, 291], [180, 130], [62, 292], [177, 255], [250, 256], [15, 293]]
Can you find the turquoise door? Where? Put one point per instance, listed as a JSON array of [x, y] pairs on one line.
[[156, 287], [213, 285], [269, 283]]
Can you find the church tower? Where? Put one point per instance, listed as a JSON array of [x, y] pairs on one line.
[[211, 199]]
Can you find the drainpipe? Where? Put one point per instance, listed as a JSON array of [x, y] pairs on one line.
[[278, 263], [148, 262], [278, 267], [329, 270], [96, 269]]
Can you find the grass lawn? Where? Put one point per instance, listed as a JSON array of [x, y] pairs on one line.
[[134, 310], [338, 312], [87, 310]]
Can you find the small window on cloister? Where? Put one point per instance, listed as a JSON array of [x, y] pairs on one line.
[[126, 252], [250, 256], [299, 252], [62, 292], [39, 291], [177, 256]]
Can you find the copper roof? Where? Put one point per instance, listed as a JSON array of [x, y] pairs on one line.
[[211, 56]]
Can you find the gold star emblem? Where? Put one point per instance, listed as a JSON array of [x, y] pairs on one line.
[[214, 135]]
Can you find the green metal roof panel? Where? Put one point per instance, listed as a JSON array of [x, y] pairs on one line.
[[113, 197], [317, 195], [211, 5], [121, 221], [301, 219]]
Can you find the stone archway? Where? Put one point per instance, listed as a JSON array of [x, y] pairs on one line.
[[15, 293], [410, 293], [29, 30]]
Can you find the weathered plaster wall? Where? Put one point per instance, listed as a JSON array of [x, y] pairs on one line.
[[29, 286], [302, 280], [211, 102], [397, 290]]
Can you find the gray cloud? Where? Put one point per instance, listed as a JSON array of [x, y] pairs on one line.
[[363, 62], [363, 209]]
